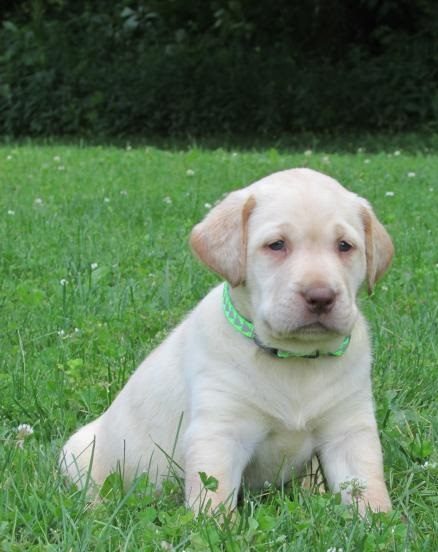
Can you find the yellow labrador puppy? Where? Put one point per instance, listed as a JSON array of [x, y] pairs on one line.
[[271, 367]]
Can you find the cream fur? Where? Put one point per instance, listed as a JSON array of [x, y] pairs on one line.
[[239, 412]]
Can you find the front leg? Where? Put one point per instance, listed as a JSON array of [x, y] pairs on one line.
[[352, 463], [218, 449]]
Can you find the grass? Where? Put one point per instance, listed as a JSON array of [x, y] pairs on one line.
[[95, 270]]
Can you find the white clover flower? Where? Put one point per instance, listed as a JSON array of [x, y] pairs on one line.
[[367, 161], [397, 153], [77, 331], [61, 333], [128, 147], [11, 212], [431, 189], [190, 172], [23, 431], [234, 154], [389, 194], [360, 150], [353, 488], [411, 174], [326, 159], [63, 282], [123, 192], [106, 200], [384, 288], [93, 266], [207, 205], [9, 157], [167, 200], [57, 158], [38, 201], [308, 153], [61, 168]]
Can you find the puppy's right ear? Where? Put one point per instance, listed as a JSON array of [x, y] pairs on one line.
[[379, 247], [220, 239]]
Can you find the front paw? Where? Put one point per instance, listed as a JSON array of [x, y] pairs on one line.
[[206, 494]]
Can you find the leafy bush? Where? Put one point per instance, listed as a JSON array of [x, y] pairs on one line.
[[209, 69]]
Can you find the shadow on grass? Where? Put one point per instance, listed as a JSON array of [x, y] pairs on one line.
[[424, 142]]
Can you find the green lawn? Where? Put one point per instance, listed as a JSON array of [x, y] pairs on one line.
[[95, 270]]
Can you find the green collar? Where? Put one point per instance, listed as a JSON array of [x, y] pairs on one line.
[[245, 327]]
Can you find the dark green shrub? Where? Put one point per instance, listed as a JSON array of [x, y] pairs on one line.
[[81, 68]]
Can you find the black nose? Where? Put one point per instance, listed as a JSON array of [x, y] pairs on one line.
[[319, 299]]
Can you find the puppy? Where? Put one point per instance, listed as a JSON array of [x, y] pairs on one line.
[[271, 367]]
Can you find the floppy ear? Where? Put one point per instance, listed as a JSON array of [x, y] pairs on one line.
[[220, 239], [379, 248]]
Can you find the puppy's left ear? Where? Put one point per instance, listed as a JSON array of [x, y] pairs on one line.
[[220, 239], [379, 247]]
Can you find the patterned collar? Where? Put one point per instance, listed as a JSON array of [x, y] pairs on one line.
[[246, 328]]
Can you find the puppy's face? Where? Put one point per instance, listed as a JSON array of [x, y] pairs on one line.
[[306, 260], [299, 246]]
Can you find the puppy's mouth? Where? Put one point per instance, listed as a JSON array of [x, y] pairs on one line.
[[314, 331], [313, 328]]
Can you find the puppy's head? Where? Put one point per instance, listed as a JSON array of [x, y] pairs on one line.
[[298, 246]]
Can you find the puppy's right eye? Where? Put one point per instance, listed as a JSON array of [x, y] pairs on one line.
[[277, 245], [344, 246]]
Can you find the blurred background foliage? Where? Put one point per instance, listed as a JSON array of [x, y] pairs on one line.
[[204, 67]]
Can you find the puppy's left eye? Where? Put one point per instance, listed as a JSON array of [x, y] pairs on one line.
[[344, 246], [277, 246]]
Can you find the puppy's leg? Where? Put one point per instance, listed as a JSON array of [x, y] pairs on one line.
[[221, 452], [353, 464]]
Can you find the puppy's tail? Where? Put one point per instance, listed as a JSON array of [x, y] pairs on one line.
[[77, 458]]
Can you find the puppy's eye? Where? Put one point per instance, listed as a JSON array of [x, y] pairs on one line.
[[344, 246], [277, 245]]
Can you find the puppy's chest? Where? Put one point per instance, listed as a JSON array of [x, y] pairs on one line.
[[294, 400]]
